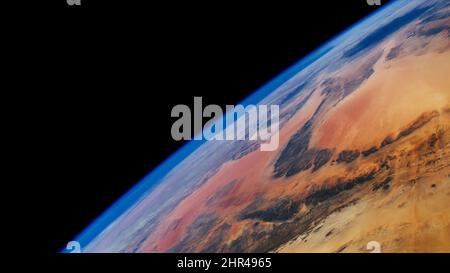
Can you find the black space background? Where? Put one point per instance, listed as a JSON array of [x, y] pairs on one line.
[[99, 82]]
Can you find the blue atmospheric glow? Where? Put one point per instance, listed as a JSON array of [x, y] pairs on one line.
[[156, 175]]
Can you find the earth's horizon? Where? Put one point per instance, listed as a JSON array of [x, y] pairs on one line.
[[364, 155]]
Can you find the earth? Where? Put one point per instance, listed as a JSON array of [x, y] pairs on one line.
[[364, 156]]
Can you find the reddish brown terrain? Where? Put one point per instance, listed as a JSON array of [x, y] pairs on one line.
[[364, 156]]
